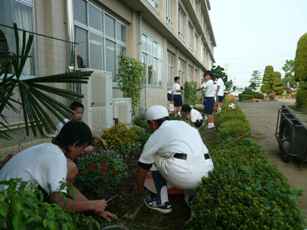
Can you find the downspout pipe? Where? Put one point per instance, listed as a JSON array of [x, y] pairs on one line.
[[70, 32]]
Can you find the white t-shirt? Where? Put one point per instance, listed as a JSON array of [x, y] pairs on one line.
[[195, 115], [209, 88], [176, 87], [177, 137], [221, 85], [60, 125], [44, 165]]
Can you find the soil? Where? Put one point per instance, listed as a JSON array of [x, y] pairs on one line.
[[262, 117]]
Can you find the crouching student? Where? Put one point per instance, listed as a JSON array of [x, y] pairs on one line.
[[192, 115], [176, 156], [49, 165]]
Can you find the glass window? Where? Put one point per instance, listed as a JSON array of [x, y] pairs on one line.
[[120, 32], [80, 11], [111, 57], [109, 26], [81, 37], [96, 51], [154, 3], [95, 17]]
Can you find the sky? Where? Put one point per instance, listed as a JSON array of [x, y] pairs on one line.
[[251, 34]]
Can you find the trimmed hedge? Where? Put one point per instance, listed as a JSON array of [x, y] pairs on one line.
[[244, 191], [250, 95]]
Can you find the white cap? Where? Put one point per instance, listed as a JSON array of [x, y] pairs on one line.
[[156, 112]]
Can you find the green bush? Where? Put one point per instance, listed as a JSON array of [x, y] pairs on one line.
[[23, 206], [125, 140], [301, 96], [244, 191], [190, 92], [249, 95], [100, 173], [140, 121]]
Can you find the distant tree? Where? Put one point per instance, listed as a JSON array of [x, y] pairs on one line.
[[288, 79], [277, 85], [255, 81], [300, 68], [267, 80]]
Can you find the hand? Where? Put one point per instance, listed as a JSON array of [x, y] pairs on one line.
[[108, 215], [99, 206]]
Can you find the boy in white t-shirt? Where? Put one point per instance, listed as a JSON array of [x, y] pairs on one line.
[[220, 93], [209, 92], [177, 96], [49, 165], [192, 114]]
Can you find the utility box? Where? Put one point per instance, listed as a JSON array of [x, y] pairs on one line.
[[98, 111]]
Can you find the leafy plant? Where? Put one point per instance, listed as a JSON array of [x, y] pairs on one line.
[[190, 92], [124, 140], [100, 173], [267, 84], [131, 76], [249, 94], [37, 97], [277, 86], [24, 206]]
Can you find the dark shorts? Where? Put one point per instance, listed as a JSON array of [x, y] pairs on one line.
[[209, 105], [220, 99], [177, 100], [169, 97]]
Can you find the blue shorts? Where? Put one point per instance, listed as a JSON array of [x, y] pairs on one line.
[[220, 99], [209, 105], [177, 100]]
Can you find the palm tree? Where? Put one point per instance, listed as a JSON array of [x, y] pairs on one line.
[[36, 96]]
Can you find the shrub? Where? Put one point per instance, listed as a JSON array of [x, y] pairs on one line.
[[140, 121], [190, 93], [100, 173], [249, 95], [23, 206], [244, 191], [124, 140]]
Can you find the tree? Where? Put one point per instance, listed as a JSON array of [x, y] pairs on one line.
[[255, 81], [277, 85], [288, 80], [300, 68], [267, 81]]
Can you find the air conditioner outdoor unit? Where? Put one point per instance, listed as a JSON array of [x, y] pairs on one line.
[[122, 110], [98, 111]]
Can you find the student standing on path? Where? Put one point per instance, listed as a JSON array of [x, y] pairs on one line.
[[176, 156], [220, 93], [177, 95], [192, 115], [49, 165], [209, 92]]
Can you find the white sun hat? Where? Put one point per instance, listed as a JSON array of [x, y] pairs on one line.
[[156, 112]]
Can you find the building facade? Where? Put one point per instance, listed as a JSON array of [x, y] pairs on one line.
[[171, 37]]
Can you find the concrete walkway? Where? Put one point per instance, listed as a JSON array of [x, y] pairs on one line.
[[262, 117]]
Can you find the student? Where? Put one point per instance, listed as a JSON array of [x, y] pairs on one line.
[[209, 94], [220, 93], [177, 97], [192, 115], [49, 165], [175, 154], [77, 113]]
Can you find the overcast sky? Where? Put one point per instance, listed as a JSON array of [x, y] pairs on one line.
[[251, 34]]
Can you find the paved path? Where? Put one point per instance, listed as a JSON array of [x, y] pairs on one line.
[[262, 117]]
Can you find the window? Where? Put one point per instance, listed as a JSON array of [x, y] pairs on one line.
[[80, 12], [154, 3], [191, 73], [95, 17], [102, 41], [81, 37], [181, 23], [168, 8], [182, 70], [151, 56], [171, 68], [191, 36]]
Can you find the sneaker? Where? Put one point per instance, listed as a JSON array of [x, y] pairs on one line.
[[211, 126], [163, 208]]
